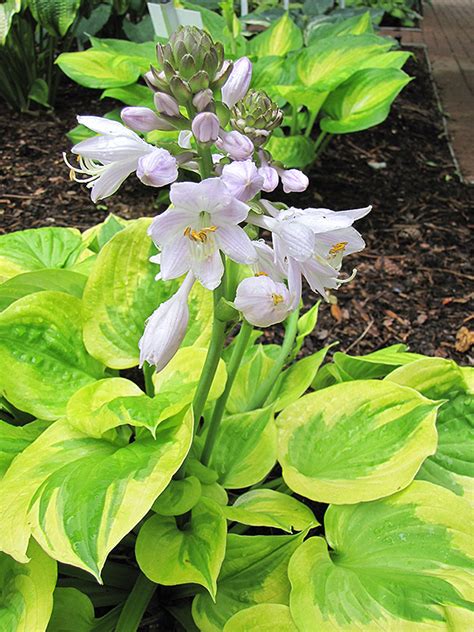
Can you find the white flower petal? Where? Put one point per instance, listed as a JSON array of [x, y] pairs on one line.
[[236, 244], [209, 270], [102, 125], [109, 149], [170, 225], [175, 259], [111, 178], [298, 239]]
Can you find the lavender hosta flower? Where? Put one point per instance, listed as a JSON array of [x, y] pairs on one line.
[[166, 328], [205, 127], [242, 179], [107, 159], [263, 301], [166, 104], [184, 139], [157, 168], [238, 83], [312, 243], [293, 180], [235, 144], [143, 119], [201, 222], [270, 177], [202, 99]]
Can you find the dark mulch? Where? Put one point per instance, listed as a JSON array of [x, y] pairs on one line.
[[414, 282]]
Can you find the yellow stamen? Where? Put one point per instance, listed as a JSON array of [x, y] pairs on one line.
[[261, 274], [199, 235], [340, 247], [277, 298]]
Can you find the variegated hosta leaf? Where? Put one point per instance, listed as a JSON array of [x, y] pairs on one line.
[[7, 11], [171, 556], [255, 571], [245, 448], [355, 441], [180, 377], [268, 508], [122, 293], [14, 439], [41, 344], [373, 365], [281, 38], [26, 283], [266, 617], [179, 497], [26, 591], [452, 465], [79, 495], [403, 563], [56, 16], [38, 248], [72, 612]]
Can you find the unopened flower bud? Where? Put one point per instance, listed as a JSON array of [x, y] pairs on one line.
[[157, 168], [270, 178], [238, 146], [143, 119], [262, 301], [205, 127], [293, 180], [242, 179], [166, 328], [237, 85], [155, 80], [166, 104], [202, 99], [184, 139]]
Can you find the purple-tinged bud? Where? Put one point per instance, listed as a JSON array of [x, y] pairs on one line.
[[238, 146], [242, 179], [270, 178], [206, 127], [165, 104], [202, 99], [157, 168], [141, 119], [293, 180], [262, 301], [237, 85], [184, 139]]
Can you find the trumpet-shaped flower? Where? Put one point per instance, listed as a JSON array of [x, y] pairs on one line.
[[263, 301], [312, 243], [242, 179], [109, 158], [237, 85], [201, 222], [166, 328]]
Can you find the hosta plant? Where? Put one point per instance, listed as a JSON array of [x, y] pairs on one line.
[[336, 78], [230, 484]]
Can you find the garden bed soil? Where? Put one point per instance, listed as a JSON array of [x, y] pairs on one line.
[[414, 282]]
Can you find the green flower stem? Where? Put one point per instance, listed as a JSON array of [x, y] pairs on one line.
[[206, 164], [265, 388], [108, 622], [323, 145], [136, 604], [235, 360], [319, 141], [294, 119], [212, 359], [148, 371]]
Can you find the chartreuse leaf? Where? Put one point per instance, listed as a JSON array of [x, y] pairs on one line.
[[38, 248], [256, 363], [121, 293], [298, 95], [80, 495], [356, 25], [171, 556], [266, 617], [144, 51], [292, 151], [400, 563], [306, 324], [72, 612], [26, 591], [392, 59], [48, 279], [97, 236], [373, 365], [268, 508], [355, 441], [281, 38], [245, 448], [14, 439], [179, 497], [296, 380], [363, 100], [134, 94], [254, 572], [55, 17], [41, 344], [328, 63], [179, 379], [93, 68], [452, 465]]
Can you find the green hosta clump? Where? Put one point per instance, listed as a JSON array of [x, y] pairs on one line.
[[96, 469]]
